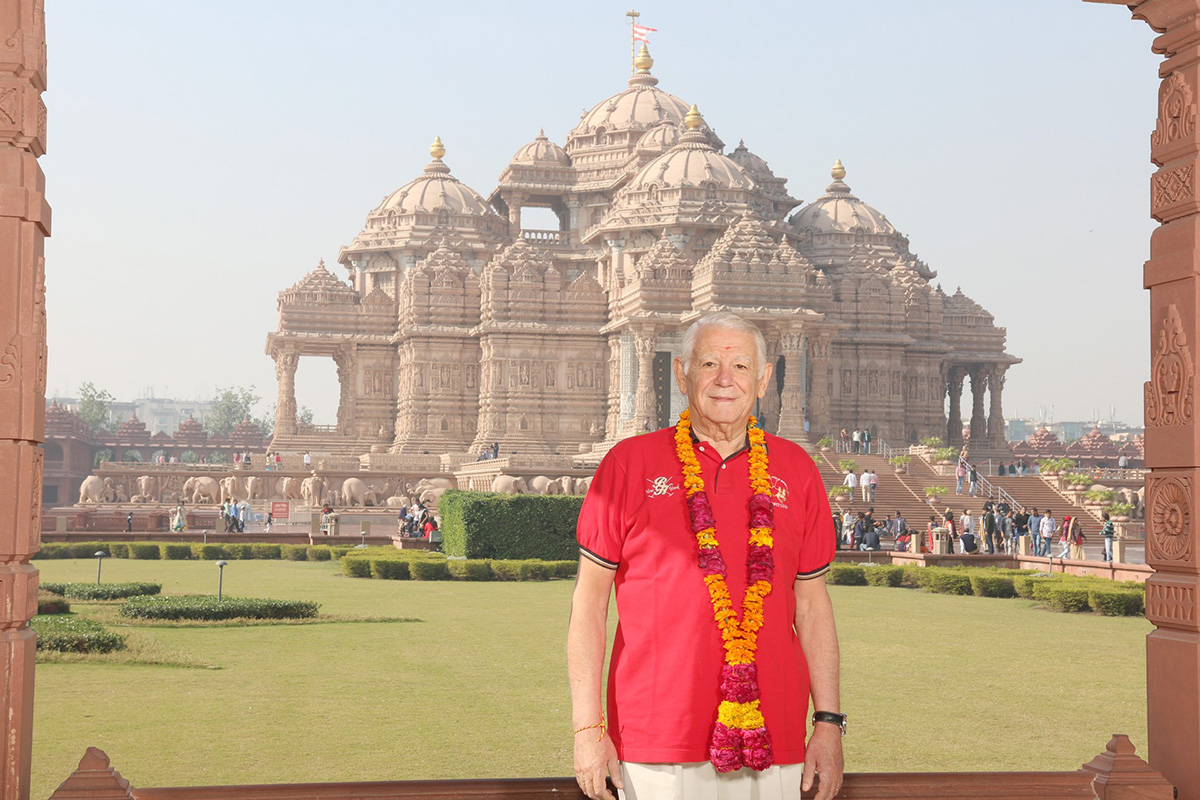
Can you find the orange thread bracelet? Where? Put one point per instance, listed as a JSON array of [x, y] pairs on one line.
[[599, 725]]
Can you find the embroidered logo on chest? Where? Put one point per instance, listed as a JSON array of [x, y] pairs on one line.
[[661, 487], [779, 492]]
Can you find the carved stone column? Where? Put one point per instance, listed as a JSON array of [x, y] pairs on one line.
[[791, 399], [820, 389], [954, 386], [769, 405], [1172, 436], [285, 405], [978, 421], [995, 423], [24, 224], [514, 214], [345, 361], [645, 344], [612, 420]]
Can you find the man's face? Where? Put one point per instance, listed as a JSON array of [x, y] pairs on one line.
[[722, 381]]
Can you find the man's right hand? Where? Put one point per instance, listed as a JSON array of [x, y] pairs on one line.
[[594, 761]]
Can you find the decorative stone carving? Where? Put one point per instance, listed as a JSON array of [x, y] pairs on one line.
[[1169, 392], [1176, 112], [1169, 187], [1169, 533], [1167, 603]]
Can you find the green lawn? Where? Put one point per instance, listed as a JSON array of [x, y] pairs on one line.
[[477, 686]]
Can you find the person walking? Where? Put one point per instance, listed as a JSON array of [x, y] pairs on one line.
[[987, 523], [129, 522], [850, 481], [1049, 526], [1035, 531], [866, 441], [973, 477], [1106, 535], [1064, 536], [307, 461], [864, 482], [874, 483], [856, 440], [966, 531], [1075, 539], [960, 474]]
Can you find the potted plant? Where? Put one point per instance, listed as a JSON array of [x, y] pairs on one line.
[[901, 463], [1120, 512], [848, 464], [839, 494], [1099, 497], [825, 444], [932, 493], [932, 441], [945, 455]]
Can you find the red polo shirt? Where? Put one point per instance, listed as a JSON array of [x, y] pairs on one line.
[[664, 680]]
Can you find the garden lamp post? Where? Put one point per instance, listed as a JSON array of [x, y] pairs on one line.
[[220, 577], [100, 556]]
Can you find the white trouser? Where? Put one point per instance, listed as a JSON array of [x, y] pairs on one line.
[[701, 781]]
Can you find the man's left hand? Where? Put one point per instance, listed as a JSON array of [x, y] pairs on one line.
[[823, 757]]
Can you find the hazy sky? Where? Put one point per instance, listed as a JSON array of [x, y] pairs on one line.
[[204, 156]]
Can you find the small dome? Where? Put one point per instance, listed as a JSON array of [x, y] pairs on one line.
[[660, 138], [839, 211], [540, 151], [692, 162], [435, 190], [753, 165], [639, 107]]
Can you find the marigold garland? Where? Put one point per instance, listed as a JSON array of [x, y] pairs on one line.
[[740, 736]]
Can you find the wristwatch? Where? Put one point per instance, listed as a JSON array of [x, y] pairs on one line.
[[830, 717]]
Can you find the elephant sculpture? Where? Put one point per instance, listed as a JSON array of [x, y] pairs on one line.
[[566, 485], [147, 490], [581, 485], [507, 484], [254, 488], [291, 489], [543, 485], [312, 490], [432, 483], [356, 492], [431, 498], [397, 501], [231, 489], [201, 489], [93, 490]]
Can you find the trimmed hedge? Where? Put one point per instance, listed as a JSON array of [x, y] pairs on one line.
[[208, 552], [1068, 598], [846, 575], [294, 552], [1113, 602], [207, 607], [468, 570], [356, 567], [884, 575], [317, 553], [69, 634], [509, 527], [175, 552], [118, 550], [948, 581], [993, 586], [49, 603], [102, 591], [429, 571], [266, 551], [389, 570], [527, 570], [50, 550], [144, 551]]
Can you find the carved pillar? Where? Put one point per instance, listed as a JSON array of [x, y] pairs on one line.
[[345, 361], [791, 399], [995, 423], [954, 386], [514, 214], [612, 420], [24, 224], [645, 345], [978, 421], [821, 388], [285, 405], [1172, 436]]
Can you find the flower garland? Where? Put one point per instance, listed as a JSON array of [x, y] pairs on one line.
[[740, 737]]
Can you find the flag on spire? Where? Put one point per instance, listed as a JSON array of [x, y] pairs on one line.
[[641, 33]]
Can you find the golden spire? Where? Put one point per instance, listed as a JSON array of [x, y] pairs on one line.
[[643, 62], [437, 149], [692, 119], [838, 172]]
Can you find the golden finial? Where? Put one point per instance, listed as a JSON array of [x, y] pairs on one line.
[[838, 172], [643, 62], [437, 149], [692, 119]]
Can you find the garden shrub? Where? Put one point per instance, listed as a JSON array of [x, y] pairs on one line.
[[429, 570], [508, 527], [339, 550], [118, 549], [1042, 587], [266, 551], [102, 591], [510, 570], [144, 550], [388, 570], [1109, 602], [87, 549], [1065, 597], [356, 567], [949, 581], [470, 569], [208, 552], [993, 585], [208, 607], [884, 575], [175, 552], [565, 569], [53, 550], [317, 553], [846, 575], [294, 552], [70, 634], [52, 603], [910, 576], [238, 551], [53, 588], [539, 570]]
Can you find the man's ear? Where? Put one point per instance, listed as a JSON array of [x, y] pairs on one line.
[[765, 380]]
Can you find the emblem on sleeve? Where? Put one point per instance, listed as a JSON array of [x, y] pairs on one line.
[[661, 487], [779, 492]]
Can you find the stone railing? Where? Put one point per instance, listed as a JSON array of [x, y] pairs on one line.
[[543, 237]]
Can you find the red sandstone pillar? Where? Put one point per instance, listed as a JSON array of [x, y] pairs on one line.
[[1172, 434], [24, 224]]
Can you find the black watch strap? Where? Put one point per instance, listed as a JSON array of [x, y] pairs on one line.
[[830, 717]]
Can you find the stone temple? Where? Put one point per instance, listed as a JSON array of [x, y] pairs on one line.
[[459, 328]]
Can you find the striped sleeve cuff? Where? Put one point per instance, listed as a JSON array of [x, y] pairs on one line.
[[604, 562], [816, 573]]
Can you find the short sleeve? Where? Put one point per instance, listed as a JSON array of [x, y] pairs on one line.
[[818, 546], [603, 521]]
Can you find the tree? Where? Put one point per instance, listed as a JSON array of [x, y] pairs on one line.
[[93, 407], [306, 415], [231, 405]]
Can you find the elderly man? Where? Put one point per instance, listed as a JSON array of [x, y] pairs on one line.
[[717, 537]]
